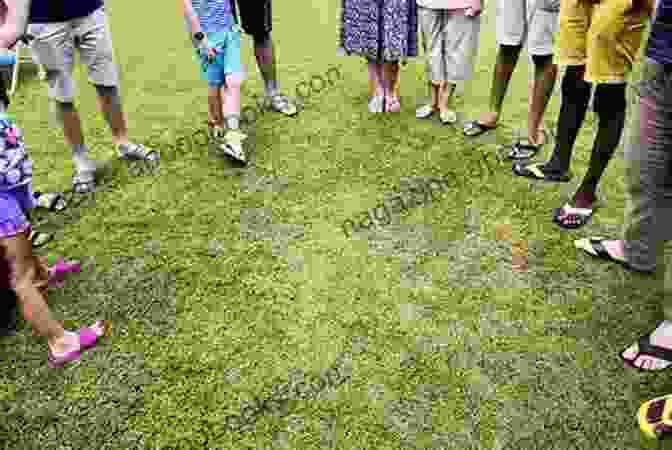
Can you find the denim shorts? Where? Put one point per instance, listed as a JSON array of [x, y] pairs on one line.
[[226, 62]]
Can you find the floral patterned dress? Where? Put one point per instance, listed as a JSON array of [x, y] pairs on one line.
[[379, 30]]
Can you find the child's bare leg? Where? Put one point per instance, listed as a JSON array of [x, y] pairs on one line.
[[435, 89], [26, 278], [230, 100], [215, 107]]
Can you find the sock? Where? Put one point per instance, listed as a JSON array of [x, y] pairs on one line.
[[610, 105], [80, 156], [232, 121], [575, 98], [507, 58]]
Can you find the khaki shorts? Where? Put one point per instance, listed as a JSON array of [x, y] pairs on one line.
[[450, 42], [54, 48], [518, 20], [604, 36]]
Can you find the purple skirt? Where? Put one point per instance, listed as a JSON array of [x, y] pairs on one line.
[[13, 207]]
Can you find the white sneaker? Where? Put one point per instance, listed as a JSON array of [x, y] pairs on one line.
[[448, 117], [233, 145], [424, 112]]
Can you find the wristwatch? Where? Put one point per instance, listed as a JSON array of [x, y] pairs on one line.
[[199, 36]]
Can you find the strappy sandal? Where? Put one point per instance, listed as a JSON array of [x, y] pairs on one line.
[[646, 348], [392, 104], [475, 128], [282, 104], [53, 201], [40, 238]]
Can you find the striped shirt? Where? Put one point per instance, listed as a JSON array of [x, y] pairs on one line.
[[214, 16], [659, 47]]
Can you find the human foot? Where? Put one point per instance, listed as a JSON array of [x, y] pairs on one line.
[[653, 352], [392, 104]]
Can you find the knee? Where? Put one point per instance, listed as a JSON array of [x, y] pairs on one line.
[[25, 275], [610, 99], [573, 81], [111, 95]]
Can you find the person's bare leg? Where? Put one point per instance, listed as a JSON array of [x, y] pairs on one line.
[[390, 77], [545, 74], [507, 58], [446, 93], [110, 106], [215, 107]]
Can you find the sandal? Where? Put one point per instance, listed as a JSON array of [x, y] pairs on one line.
[[376, 104], [594, 247], [57, 271], [88, 339], [655, 417], [282, 104], [425, 112], [53, 201], [522, 151], [448, 117], [475, 128], [536, 172], [646, 348], [84, 181], [39, 238], [392, 104], [573, 220], [135, 152]]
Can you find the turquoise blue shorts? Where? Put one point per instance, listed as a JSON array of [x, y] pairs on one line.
[[227, 60]]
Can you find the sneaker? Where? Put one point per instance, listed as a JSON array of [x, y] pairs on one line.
[[376, 104], [233, 145]]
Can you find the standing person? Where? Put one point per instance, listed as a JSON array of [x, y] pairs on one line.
[[60, 28], [256, 19], [518, 21], [215, 35], [449, 30], [648, 155], [599, 43], [29, 277], [384, 32]]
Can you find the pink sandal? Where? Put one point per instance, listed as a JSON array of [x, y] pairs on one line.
[[57, 272], [392, 104], [88, 339]]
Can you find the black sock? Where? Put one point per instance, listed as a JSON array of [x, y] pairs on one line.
[[575, 98], [610, 104]]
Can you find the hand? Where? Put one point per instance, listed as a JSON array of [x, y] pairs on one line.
[[212, 53]]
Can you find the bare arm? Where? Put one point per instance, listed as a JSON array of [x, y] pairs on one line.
[[190, 16], [14, 21]]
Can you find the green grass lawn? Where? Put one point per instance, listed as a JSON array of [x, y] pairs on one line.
[[234, 288]]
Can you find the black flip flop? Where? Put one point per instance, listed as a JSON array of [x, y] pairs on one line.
[[53, 201], [594, 247], [583, 217], [646, 348], [536, 172], [522, 151], [475, 128]]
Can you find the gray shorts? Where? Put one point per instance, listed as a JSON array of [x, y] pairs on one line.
[[54, 48], [450, 43], [514, 24]]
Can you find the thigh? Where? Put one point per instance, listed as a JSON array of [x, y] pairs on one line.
[[574, 22], [542, 31], [255, 16], [96, 49], [614, 40], [511, 21], [53, 45], [431, 22]]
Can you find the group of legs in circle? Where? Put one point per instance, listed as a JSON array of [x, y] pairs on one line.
[[55, 37]]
